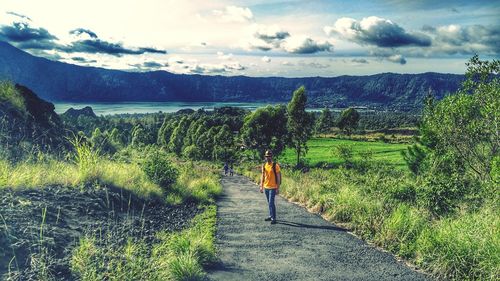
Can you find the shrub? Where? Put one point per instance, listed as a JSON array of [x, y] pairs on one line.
[[344, 152], [159, 169], [441, 193]]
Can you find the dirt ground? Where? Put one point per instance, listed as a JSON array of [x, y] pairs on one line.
[[301, 246], [69, 214]]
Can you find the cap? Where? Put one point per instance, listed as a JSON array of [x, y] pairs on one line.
[[268, 153]]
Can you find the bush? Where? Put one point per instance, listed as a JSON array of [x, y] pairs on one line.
[[344, 152], [441, 193], [159, 169]]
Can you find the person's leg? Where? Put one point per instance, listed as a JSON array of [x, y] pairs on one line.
[[268, 195], [272, 206]]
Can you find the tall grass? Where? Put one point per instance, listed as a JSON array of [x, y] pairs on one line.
[[9, 94], [174, 256]]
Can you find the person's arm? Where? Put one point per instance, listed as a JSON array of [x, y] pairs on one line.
[[278, 183], [261, 185]]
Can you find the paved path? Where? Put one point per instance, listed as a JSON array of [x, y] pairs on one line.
[[301, 246]]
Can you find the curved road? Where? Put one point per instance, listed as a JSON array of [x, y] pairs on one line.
[[301, 246]]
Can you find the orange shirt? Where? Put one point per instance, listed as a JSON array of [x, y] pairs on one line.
[[269, 179]]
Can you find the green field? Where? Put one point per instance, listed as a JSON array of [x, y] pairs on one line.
[[321, 151]]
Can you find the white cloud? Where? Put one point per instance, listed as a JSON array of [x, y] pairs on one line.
[[266, 59], [232, 14], [222, 56]]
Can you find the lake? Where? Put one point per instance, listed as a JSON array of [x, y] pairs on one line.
[[109, 108], [150, 107]]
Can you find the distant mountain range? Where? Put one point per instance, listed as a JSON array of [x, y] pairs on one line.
[[57, 82]]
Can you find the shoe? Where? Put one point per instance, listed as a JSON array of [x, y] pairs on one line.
[[273, 221], [267, 219]]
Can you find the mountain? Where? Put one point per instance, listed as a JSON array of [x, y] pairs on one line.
[[57, 81], [75, 113]]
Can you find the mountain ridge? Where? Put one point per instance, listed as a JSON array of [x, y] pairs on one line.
[[63, 82]]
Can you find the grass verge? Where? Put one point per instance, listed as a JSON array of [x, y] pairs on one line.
[[174, 256]]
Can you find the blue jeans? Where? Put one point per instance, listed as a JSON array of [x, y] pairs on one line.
[[270, 194]]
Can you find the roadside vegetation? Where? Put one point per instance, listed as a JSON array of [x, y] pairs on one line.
[[441, 212], [429, 194]]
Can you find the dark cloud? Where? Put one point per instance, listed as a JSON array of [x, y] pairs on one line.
[[152, 64], [148, 65], [389, 55], [96, 45], [23, 32], [314, 64], [104, 47], [83, 60], [262, 48], [80, 31], [364, 61], [23, 36], [377, 32], [272, 37], [152, 50], [19, 15], [308, 46]]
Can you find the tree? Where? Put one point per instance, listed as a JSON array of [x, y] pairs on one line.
[[466, 126], [462, 141], [299, 123], [325, 121], [141, 136], [265, 128], [224, 143], [348, 121], [176, 143]]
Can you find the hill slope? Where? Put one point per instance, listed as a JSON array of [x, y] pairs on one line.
[[56, 81]]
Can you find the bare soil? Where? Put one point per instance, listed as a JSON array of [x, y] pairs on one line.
[[27, 241]]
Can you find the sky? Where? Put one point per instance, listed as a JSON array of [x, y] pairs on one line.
[[286, 38]]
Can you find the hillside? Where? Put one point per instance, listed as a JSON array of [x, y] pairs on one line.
[[57, 81], [26, 120]]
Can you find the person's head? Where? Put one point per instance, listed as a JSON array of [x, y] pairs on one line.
[[269, 155]]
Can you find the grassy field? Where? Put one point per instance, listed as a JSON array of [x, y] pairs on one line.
[[321, 151]]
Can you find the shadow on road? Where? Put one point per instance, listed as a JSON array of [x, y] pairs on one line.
[[296, 224]]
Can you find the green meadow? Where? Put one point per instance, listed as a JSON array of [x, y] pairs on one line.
[[322, 151]]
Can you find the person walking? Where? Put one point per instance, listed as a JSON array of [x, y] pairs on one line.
[[270, 183], [226, 168]]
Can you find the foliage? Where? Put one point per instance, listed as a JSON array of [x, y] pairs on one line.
[[324, 122], [159, 169], [300, 123], [141, 136], [348, 121], [344, 152], [461, 138], [414, 157], [177, 138], [9, 94], [265, 128]]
